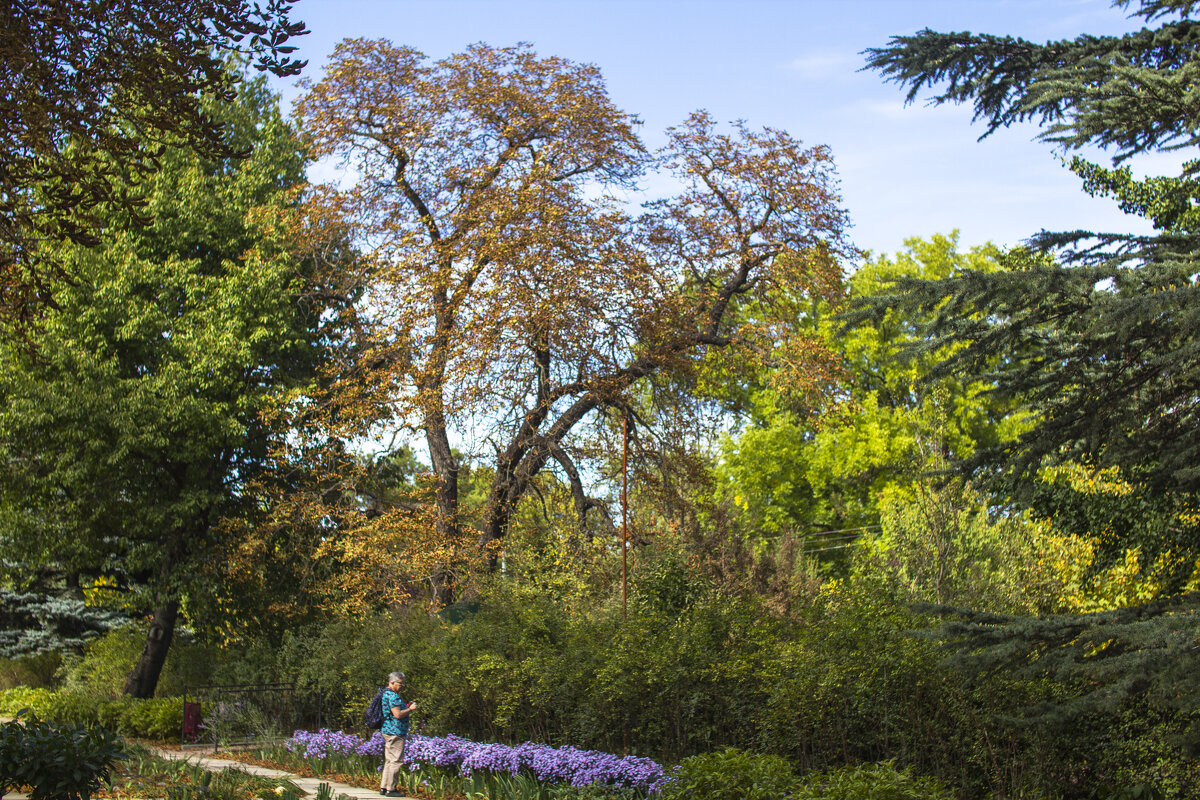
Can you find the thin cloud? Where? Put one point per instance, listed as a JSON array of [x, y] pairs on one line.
[[824, 65]]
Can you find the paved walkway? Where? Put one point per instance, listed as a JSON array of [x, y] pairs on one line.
[[214, 764], [306, 785]]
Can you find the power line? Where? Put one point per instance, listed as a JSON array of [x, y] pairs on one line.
[[846, 531], [831, 547]]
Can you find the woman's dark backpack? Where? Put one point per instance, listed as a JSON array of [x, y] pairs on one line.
[[373, 716]]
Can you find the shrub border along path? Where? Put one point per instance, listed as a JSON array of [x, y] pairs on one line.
[[213, 764]]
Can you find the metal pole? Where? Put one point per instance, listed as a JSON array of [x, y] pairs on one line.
[[219, 722], [624, 513]]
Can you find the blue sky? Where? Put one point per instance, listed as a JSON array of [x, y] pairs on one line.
[[791, 64]]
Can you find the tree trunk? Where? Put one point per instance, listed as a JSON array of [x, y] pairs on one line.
[[144, 678], [446, 469], [444, 590]]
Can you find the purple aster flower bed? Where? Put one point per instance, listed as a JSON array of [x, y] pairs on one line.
[[325, 743], [549, 764]]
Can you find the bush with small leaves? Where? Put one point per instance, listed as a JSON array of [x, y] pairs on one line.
[[882, 781], [60, 762], [1137, 791], [19, 697], [157, 718], [731, 773]]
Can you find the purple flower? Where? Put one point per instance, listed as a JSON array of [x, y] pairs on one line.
[[324, 743], [567, 765], [550, 765]]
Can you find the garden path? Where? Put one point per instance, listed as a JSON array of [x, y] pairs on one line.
[[306, 785]]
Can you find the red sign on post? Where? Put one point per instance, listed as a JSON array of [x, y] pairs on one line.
[[191, 719]]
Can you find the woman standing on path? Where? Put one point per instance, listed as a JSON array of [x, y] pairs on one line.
[[394, 730]]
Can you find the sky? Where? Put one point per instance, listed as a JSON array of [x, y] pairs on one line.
[[905, 171]]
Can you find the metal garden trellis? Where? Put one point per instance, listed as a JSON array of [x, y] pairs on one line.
[[232, 715]]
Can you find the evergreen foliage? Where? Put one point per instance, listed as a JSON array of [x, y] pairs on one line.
[[1103, 352], [1105, 658], [32, 623], [1094, 331], [1133, 93]]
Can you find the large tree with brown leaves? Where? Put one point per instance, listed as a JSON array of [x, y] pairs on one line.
[[514, 293]]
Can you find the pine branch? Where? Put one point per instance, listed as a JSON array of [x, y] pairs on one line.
[[37, 623], [1145, 653]]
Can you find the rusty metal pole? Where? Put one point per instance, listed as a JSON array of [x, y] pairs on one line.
[[624, 513]]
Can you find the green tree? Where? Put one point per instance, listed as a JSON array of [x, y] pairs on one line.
[[37, 623], [132, 423], [789, 471], [95, 90]]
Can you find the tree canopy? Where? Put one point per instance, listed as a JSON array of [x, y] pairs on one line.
[[93, 89], [134, 420], [1094, 330], [1095, 334], [515, 295], [791, 471], [1131, 94]]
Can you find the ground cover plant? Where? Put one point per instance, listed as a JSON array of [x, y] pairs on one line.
[[143, 773]]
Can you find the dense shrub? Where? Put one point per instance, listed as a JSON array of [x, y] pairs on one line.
[[669, 684], [104, 666], [691, 671], [521, 669], [731, 773], [856, 686], [849, 677], [160, 718], [871, 782], [20, 697], [60, 762], [35, 671]]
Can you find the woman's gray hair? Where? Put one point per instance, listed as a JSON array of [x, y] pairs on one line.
[[395, 676]]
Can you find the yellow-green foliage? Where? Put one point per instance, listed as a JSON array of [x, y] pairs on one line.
[[940, 545], [882, 781], [17, 698], [105, 665], [785, 472], [546, 551], [160, 718], [1123, 578]]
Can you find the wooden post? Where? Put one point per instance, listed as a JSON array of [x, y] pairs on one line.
[[624, 513]]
